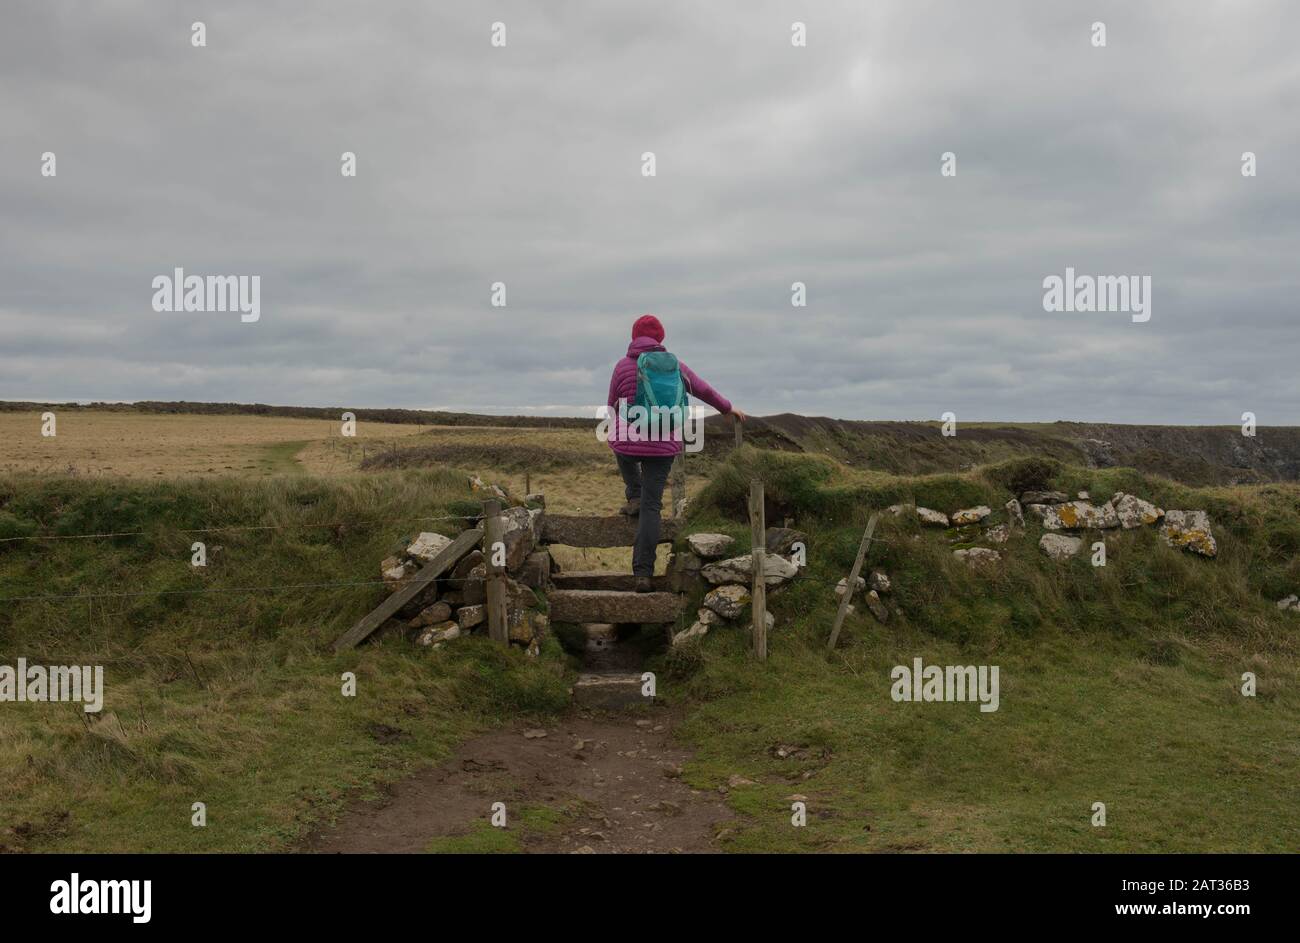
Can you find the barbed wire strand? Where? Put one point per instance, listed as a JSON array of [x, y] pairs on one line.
[[248, 527], [55, 597]]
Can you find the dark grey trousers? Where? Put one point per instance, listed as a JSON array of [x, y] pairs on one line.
[[644, 477]]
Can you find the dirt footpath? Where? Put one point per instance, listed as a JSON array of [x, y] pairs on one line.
[[591, 784]]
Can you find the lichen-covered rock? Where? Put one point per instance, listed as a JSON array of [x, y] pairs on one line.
[[977, 557], [707, 619], [1290, 604], [438, 612], [526, 625], [427, 546], [776, 570], [1076, 515], [441, 632], [464, 568], [684, 572], [397, 573], [970, 515], [710, 546], [781, 540], [879, 581], [708, 616], [1015, 515], [1060, 546], [536, 571], [696, 630], [1190, 530], [842, 586], [931, 518], [469, 616], [877, 606], [478, 484], [521, 529], [1044, 497], [898, 510], [728, 601], [998, 533], [1134, 512], [474, 590]]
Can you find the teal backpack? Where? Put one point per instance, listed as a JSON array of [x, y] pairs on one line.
[[659, 381]]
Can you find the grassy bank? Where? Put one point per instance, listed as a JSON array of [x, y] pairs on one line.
[[1119, 684], [217, 692]]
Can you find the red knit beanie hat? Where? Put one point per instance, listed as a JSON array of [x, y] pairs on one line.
[[648, 326]]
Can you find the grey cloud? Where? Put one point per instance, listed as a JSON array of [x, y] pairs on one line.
[[775, 165]]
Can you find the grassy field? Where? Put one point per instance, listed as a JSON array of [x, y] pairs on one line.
[[1119, 684], [93, 443], [218, 694]]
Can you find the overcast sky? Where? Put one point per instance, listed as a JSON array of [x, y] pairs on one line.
[[775, 164]]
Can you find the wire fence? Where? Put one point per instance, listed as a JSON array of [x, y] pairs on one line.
[[276, 587], [280, 587], [469, 518]]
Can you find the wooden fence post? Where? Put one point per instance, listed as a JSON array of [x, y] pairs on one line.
[[740, 431], [679, 483], [498, 629], [758, 560], [852, 583]]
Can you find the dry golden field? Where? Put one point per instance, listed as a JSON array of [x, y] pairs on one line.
[[570, 466], [138, 445]]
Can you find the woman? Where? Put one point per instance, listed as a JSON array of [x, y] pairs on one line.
[[645, 462]]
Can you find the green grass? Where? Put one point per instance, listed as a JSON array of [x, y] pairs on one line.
[[232, 699], [1118, 684], [282, 458]]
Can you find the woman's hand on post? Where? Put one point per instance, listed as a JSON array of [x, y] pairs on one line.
[[738, 414]]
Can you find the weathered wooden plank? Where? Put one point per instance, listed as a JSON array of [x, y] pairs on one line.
[[603, 579], [852, 583], [615, 530], [589, 605], [444, 561], [609, 691]]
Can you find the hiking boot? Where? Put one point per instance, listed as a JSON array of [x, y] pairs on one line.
[[632, 508], [644, 584]]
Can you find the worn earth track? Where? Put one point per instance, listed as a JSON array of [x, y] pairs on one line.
[[601, 783]]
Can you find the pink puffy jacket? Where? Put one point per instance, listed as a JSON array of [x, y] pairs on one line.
[[622, 385]]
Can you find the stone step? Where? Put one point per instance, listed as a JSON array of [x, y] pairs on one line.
[[599, 605], [604, 579], [613, 531], [613, 691]]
